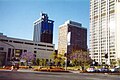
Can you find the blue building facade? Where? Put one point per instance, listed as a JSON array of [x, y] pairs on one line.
[[43, 29]]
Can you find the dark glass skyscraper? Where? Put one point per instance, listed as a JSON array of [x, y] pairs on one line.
[[43, 29]]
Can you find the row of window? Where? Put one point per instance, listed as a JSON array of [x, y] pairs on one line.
[[43, 49], [27, 43]]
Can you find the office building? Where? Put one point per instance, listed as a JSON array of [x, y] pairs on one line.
[[43, 29], [72, 36], [105, 31], [14, 47]]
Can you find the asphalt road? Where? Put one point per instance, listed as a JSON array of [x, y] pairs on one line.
[[9, 75]]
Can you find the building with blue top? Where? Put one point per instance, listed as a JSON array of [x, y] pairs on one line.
[[43, 29]]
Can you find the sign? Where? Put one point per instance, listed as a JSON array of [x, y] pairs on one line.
[[68, 38]]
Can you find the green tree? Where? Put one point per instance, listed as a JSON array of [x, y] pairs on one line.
[[41, 62], [53, 56], [113, 62], [45, 62], [58, 59], [38, 61], [118, 61], [74, 62]]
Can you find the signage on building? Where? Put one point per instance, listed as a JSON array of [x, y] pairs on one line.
[[68, 38]]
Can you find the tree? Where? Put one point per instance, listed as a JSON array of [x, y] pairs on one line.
[[118, 61], [53, 56], [58, 59], [38, 61], [28, 56], [113, 62], [80, 58]]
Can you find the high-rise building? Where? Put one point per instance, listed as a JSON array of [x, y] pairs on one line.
[[43, 29], [72, 36], [105, 31]]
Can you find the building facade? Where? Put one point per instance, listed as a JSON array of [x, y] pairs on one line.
[[104, 30], [72, 36], [43, 29], [13, 47]]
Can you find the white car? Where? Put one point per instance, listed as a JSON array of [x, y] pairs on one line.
[[116, 69]]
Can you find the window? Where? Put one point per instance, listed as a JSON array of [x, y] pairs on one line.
[[29, 43], [49, 46], [9, 52], [41, 49], [4, 40], [41, 45], [35, 51], [1, 48], [49, 50], [18, 42], [10, 40], [25, 50]]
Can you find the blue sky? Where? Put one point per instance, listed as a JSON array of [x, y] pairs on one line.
[[17, 16]]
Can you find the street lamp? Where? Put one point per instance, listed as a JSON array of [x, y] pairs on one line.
[[65, 61], [93, 63]]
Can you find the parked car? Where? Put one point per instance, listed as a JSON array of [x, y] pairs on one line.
[[115, 69], [104, 70], [118, 68], [91, 69]]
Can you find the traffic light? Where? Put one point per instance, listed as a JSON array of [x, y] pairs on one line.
[[106, 55], [65, 55]]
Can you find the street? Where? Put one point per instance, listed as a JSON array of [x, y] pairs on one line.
[[16, 75]]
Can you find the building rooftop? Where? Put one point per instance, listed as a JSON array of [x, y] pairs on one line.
[[73, 23]]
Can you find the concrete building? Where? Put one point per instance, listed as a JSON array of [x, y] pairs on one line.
[[13, 47], [105, 30], [43, 29], [72, 36]]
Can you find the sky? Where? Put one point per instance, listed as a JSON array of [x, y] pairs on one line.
[[17, 16]]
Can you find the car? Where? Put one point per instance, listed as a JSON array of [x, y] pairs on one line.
[[103, 70], [118, 68], [91, 69], [115, 69]]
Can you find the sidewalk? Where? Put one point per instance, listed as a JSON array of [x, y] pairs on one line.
[[73, 71], [31, 70], [19, 70], [26, 70]]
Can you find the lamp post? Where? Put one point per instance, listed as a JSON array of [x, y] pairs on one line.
[[65, 61], [93, 63]]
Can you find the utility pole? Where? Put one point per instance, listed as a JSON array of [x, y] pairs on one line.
[[65, 60]]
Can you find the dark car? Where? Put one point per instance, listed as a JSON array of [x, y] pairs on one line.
[[104, 70]]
